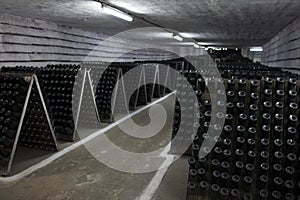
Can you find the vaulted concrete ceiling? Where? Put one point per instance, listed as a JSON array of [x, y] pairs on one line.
[[213, 22]]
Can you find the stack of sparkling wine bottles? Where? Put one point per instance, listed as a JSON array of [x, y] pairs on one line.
[[135, 77], [257, 153], [234, 70], [39, 105], [36, 131], [12, 98], [24, 118], [57, 83], [104, 93]]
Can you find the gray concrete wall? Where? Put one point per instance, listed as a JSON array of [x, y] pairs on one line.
[[283, 50], [31, 42]]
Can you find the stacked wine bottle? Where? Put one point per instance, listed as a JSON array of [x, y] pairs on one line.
[[163, 76], [37, 104], [192, 119], [134, 76], [236, 70], [57, 85], [12, 98], [257, 154], [88, 116], [24, 118], [36, 132], [151, 72], [104, 93]]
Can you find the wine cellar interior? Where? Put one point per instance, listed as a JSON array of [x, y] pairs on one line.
[[149, 100]]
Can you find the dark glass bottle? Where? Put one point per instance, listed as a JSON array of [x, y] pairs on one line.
[[254, 84], [254, 98], [192, 188], [279, 105], [231, 84], [279, 96], [279, 84], [203, 188], [235, 194], [268, 95], [252, 121], [292, 84], [202, 174], [253, 109]]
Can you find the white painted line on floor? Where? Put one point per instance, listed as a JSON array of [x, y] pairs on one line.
[[150, 190], [30, 170]]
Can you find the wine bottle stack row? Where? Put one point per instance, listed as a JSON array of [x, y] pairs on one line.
[[185, 124], [35, 132], [98, 88], [252, 71], [64, 66], [104, 93], [19, 69], [245, 70], [159, 87], [90, 107], [245, 66], [158, 90], [257, 153], [142, 90], [186, 121], [142, 96], [158, 78], [135, 77], [55, 92], [106, 76], [12, 98], [235, 70], [57, 85], [88, 116], [163, 75], [150, 72]]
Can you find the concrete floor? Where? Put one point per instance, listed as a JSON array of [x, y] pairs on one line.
[[78, 175]]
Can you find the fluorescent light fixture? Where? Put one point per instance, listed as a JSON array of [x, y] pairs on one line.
[[205, 43], [213, 48], [117, 13], [139, 8], [193, 35], [186, 35], [177, 37], [256, 49], [196, 46]]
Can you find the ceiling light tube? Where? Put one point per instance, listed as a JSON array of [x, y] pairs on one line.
[[117, 13], [177, 37], [196, 46], [256, 49]]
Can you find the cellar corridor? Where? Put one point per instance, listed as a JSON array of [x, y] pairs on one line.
[[149, 100]]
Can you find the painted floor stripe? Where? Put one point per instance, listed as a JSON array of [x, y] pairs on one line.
[[150, 190], [43, 163]]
